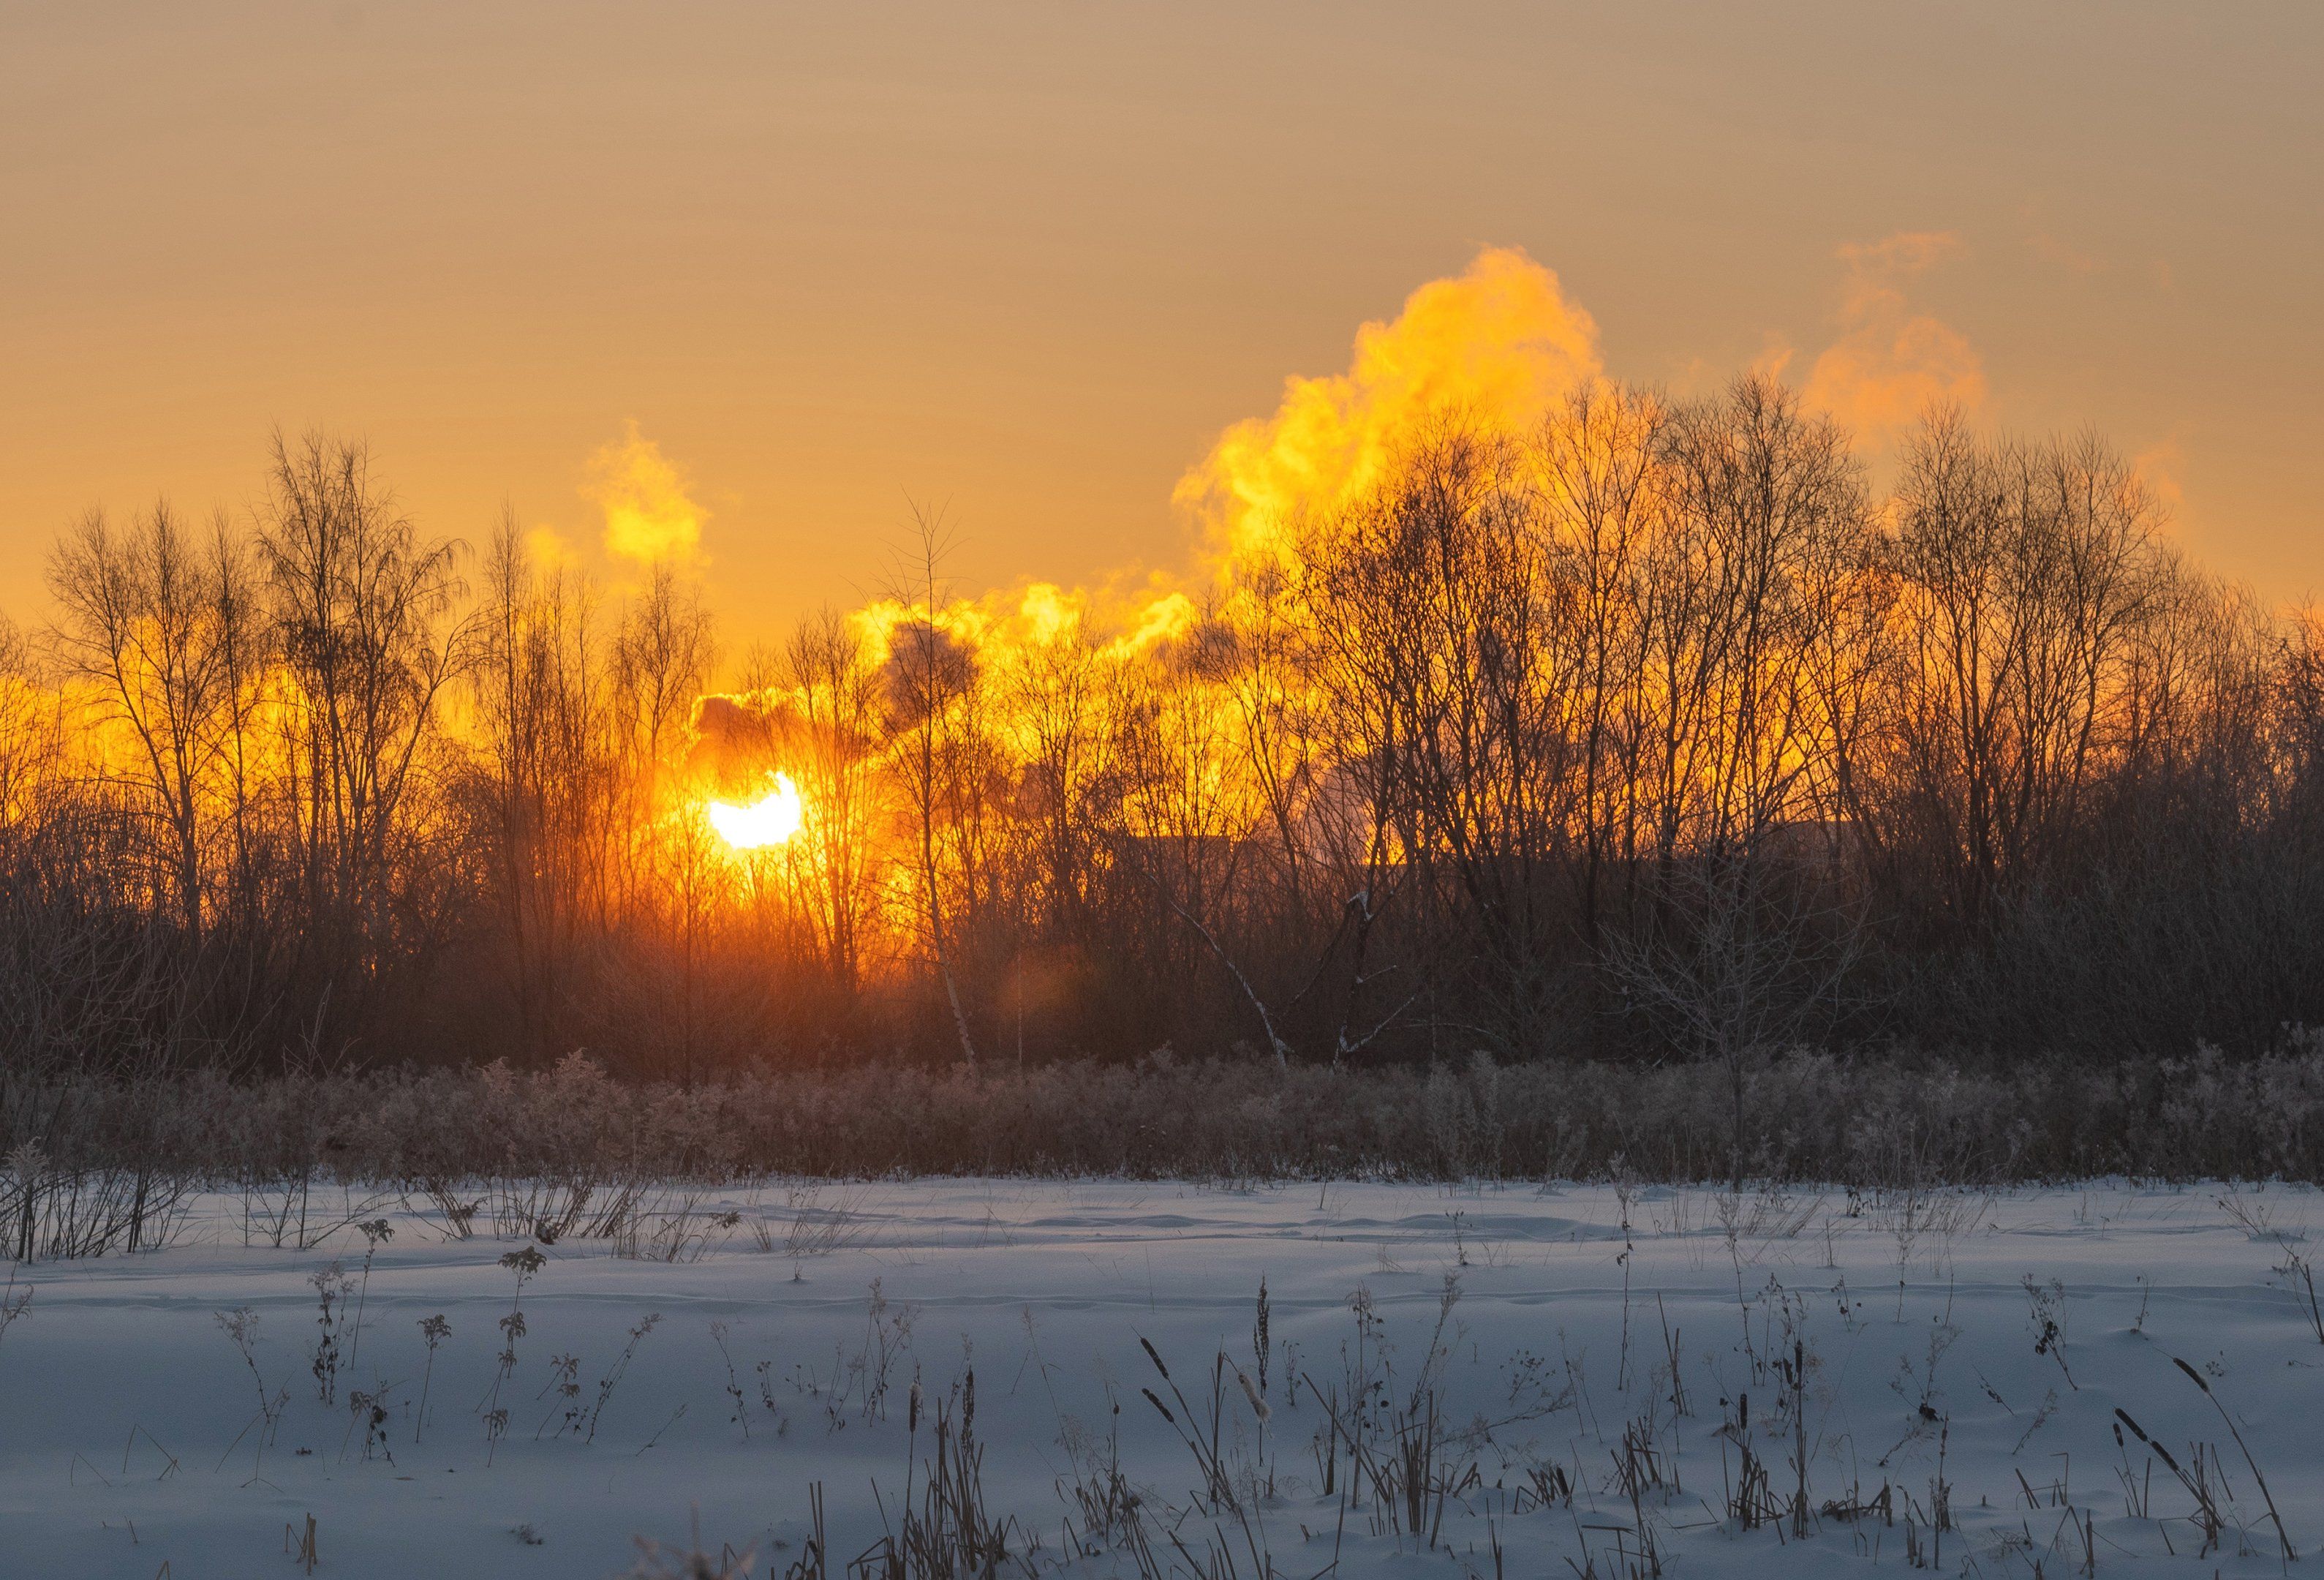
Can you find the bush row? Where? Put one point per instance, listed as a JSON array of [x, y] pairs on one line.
[[1858, 1120]]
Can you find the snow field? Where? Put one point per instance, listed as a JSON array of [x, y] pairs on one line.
[[1484, 1376]]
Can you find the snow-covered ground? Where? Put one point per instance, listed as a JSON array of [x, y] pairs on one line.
[[132, 1440]]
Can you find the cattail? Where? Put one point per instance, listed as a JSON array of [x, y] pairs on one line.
[[1258, 1405], [1153, 1356], [1260, 1342], [912, 1414]]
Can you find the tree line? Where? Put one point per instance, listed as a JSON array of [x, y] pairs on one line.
[[1650, 729]]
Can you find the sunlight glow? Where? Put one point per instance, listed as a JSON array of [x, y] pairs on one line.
[[771, 819]]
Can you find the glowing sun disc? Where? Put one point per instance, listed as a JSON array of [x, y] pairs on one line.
[[771, 819]]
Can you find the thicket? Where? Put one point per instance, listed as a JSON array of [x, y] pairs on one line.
[[1647, 733], [1896, 1122]]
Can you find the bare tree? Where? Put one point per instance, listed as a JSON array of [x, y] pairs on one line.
[[2025, 572], [929, 675], [151, 620], [366, 620], [1753, 962], [541, 711], [833, 690]]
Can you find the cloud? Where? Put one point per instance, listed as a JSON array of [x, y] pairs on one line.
[[1892, 363], [2050, 249], [649, 517], [2161, 466], [550, 549], [1500, 341]]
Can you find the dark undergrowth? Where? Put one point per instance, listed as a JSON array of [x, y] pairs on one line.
[[1876, 1120]]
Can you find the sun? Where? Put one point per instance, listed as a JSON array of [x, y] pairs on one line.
[[771, 820]]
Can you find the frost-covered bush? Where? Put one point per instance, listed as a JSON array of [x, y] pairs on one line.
[[570, 1138]]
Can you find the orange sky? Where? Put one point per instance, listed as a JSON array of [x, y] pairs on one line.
[[1032, 260]]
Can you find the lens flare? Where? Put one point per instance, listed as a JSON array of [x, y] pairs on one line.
[[771, 820]]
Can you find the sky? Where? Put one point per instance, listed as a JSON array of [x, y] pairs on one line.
[[811, 265]]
